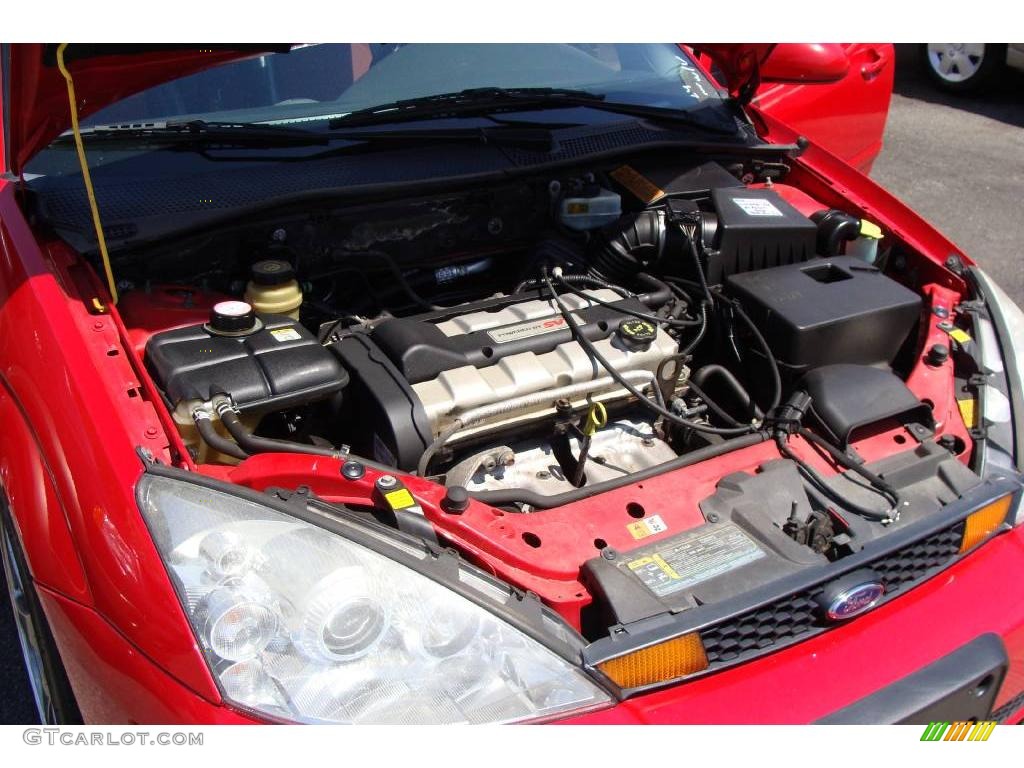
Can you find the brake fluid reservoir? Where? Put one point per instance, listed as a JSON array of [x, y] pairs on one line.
[[591, 209], [273, 289]]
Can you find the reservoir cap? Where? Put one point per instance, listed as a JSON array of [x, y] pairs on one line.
[[272, 272], [232, 318]]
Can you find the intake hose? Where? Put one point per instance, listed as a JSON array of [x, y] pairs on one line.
[[834, 228], [536, 500], [253, 444], [630, 245]]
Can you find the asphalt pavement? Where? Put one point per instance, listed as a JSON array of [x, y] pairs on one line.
[[958, 161]]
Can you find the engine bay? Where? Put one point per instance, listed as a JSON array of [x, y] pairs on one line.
[[696, 364]]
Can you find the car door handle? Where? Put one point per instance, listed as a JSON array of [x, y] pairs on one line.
[[873, 69]]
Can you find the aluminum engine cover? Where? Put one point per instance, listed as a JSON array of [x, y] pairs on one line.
[[505, 349]]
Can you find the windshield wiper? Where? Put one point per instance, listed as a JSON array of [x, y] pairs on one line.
[[201, 132], [485, 101]]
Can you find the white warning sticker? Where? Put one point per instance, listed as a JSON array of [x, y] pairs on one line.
[[755, 206], [695, 557], [285, 334]]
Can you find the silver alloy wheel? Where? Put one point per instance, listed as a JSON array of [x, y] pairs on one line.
[[956, 62], [29, 633]]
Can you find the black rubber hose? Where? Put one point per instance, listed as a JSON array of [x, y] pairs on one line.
[[590, 280], [396, 272], [660, 294], [703, 329], [834, 227], [540, 501], [631, 312], [818, 481], [691, 237], [723, 414], [843, 460], [214, 439], [253, 444], [773, 364], [721, 372], [600, 359]]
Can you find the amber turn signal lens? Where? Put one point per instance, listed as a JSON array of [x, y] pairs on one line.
[[670, 660], [983, 523]]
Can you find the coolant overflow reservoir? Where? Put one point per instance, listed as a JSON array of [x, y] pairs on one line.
[[273, 289], [590, 210]]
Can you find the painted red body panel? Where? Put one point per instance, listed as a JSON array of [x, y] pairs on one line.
[[86, 405], [88, 414], [115, 683], [846, 117], [30, 490], [805, 63]]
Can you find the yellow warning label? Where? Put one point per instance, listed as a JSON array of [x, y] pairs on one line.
[[640, 563], [655, 560], [400, 499], [968, 412], [645, 190], [668, 569], [959, 336], [638, 530], [641, 529]]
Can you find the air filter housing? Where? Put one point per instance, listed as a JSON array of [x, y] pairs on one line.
[[754, 229]]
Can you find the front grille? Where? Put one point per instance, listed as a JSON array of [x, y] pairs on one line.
[[796, 616]]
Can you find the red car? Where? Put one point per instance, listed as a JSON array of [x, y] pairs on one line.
[[436, 383]]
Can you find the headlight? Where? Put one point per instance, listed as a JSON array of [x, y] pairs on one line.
[[305, 625], [1005, 355]]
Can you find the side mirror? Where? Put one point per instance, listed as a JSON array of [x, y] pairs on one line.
[[805, 63]]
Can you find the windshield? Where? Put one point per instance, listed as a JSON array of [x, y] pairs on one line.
[[316, 82]]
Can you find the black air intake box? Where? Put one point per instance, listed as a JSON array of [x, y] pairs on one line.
[[754, 229], [827, 311]]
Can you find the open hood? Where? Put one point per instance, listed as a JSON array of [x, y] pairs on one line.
[[36, 100], [35, 96], [738, 64]]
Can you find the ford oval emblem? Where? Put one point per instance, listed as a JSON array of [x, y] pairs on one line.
[[852, 595]]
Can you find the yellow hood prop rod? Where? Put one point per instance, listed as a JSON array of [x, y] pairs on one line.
[[86, 178]]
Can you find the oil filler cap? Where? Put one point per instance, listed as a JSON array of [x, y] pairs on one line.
[[233, 318], [637, 335]]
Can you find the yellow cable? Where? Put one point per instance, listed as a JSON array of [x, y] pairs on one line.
[[73, 102]]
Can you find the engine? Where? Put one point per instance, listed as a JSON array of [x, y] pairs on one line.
[[514, 340], [495, 366]]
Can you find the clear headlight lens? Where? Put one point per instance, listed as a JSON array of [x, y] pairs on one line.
[[1013, 318], [305, 625]]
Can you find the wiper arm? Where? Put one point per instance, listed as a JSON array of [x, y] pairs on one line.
[[465, 102], [485, 101]]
